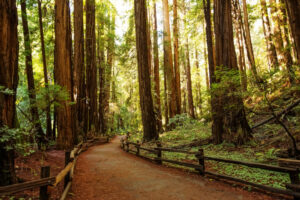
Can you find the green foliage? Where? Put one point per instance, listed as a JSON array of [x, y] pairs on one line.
[[6, 91], [55, 93], [17, 139], [182, 121]]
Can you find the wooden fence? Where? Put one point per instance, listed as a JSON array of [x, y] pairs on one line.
[[46, 181], [286, 166]]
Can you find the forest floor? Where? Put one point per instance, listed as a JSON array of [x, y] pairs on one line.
[[106, 172], [28, 168]]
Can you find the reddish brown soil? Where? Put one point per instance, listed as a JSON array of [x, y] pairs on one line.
[[107, 173], [29, 168]]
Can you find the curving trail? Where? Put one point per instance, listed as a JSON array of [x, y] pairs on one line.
[[105, 172]]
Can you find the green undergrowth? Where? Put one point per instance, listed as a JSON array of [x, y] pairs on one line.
[[192, 130]]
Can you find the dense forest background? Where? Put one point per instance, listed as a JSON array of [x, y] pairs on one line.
[[186, 72]]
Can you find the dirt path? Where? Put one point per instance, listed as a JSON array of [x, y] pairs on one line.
[[107, 173]]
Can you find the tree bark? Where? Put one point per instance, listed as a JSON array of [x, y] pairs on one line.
[[198, 84], [102, 64], [241, 57], [293, 10], [63, 74], [146, 103], [91, 69], [231, 120], [176, 63], [189, 82], [156, 73], [40, 137], [149, 42], [166, 100], [9, 48], [217, 128], [168, 61], [108, 69], [276, 32], [206, 65], [79, 68], [273, 60], [48, 109], [287, 44], [248, 41]]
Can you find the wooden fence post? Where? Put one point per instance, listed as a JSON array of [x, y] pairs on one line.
[[127, 145], [138, 148], [45, 173], [294, 177], [200, 157], [67, 160], [122, 145], [158, 159]]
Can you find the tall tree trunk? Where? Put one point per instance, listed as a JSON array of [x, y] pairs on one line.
[[293, 10], [168, 61], [217, 127], [79, 69], [146, 103], [40, 137], [166, 100], [54, 122], [156, 73], [206, 67], [48, 109], [198, 84], [63, 73], [273, 60], [184, 110], [149, 43], [234, 125], [91, 68], [189, 82], [102, 125], [209, 40], [176, 63], [241, 57], [287, 44], [114, 98], [9, 48], [276, 32], [108, 69], [247, 37]]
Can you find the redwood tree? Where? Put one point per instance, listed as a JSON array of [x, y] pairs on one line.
[[63, 73], [30, 79], [168, 61], [9, 48], [176, 57], [91, 69], [276, 32], [79, 68], [287, 44], [231, 120], [191, 110], [293, 8], [102, 64], [108, 69], [146, 103], [156, 73], [247, 37], [273, 60], [48, 109]]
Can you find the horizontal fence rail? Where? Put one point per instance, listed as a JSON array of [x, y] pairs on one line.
[[66, 174], [10, 189], [292, 189]]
